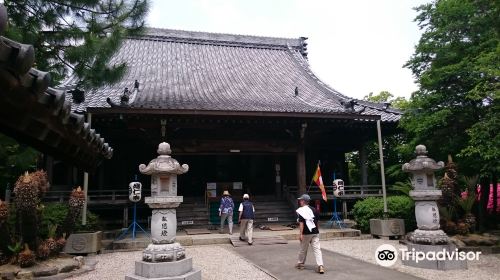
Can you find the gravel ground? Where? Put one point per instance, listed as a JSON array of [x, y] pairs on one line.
[[486, 268], [208, 258]]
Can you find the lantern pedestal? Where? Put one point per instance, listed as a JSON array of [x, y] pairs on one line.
[[165, 271], [427, 216], [164, 259]]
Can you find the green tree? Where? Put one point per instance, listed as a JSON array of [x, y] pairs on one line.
[[76, 36], [14, 160], [397, 102], [395, 150], [457, 65]]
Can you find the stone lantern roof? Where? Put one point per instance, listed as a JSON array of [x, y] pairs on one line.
[[164, 163], [422, 162]]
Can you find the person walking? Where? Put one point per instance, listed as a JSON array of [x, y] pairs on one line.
[[308, 218], [226, 212], [245, 219]]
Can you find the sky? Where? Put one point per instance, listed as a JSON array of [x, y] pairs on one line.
[[356, 47]]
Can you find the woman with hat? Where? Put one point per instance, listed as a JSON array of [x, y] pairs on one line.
[[226, 211]]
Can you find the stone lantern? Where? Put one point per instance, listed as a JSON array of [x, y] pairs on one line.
[[425, 194], [164, 258], [428, 238]]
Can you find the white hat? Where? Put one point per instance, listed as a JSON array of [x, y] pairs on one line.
[[246, 196]]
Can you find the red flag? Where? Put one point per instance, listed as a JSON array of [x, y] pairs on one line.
[[319, 182]]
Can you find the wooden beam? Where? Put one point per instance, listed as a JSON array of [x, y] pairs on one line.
[[154, 111]]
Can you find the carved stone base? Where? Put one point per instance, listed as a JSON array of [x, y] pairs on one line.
[[182, 269], [163, 253], [428, 237]]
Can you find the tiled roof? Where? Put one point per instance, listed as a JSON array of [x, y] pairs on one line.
[[40, 116], [181, 70]]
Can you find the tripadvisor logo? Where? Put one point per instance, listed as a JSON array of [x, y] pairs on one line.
[[387, 255]]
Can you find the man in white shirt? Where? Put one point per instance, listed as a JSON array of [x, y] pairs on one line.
[[245, 219]]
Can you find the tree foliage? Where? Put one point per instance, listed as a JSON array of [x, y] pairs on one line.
[[395, 150], [397, 102], [76, 36], [14, 160], [457, 65]]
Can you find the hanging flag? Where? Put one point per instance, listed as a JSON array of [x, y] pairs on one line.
[[319, 182]]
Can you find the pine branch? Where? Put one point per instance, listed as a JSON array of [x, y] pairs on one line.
[[82, 8], [65, 62]]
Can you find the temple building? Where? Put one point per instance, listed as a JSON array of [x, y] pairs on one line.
[[245, 112]]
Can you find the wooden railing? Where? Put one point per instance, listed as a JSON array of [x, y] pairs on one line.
[[350, 191], [93, 196]]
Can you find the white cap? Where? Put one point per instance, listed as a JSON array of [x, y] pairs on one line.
[[246, 196]]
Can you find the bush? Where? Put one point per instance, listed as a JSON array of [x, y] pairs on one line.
[[52, 214], [55, 214], [401, 207], [93, 223]]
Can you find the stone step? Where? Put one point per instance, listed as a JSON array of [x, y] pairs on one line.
[[279, 221], [275, 211], [206, 239], [192, 214]]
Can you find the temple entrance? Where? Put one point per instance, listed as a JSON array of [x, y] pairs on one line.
[[255, 172]]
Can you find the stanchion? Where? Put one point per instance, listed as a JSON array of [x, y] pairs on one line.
[[335, 219], [132, 226]]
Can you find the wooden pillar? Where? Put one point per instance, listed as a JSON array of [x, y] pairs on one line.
[[363, 165], [86, 182], [382, 169], [277, 169], [125, 216], [301, 161], [49, 167], [301, 170], [344, 209]]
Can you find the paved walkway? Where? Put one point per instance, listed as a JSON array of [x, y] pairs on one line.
[[215, 238], [279, 260]]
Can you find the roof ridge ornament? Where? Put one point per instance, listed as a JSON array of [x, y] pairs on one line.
[[349, 106], [127, 98]]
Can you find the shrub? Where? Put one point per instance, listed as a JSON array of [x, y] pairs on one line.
[[367, 209], [401, 207], [52, 214], [93, 223], [55, 214]]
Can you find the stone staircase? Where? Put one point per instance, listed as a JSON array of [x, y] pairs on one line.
[[268, 210], [192, 214]]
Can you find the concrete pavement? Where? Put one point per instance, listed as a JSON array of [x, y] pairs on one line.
[[215, 238], [279, 261]]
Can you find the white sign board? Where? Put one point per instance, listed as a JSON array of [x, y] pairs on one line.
[[237, 185], [212, 193]]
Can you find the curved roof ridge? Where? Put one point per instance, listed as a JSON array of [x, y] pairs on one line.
[[303, 63], [225, 38]]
